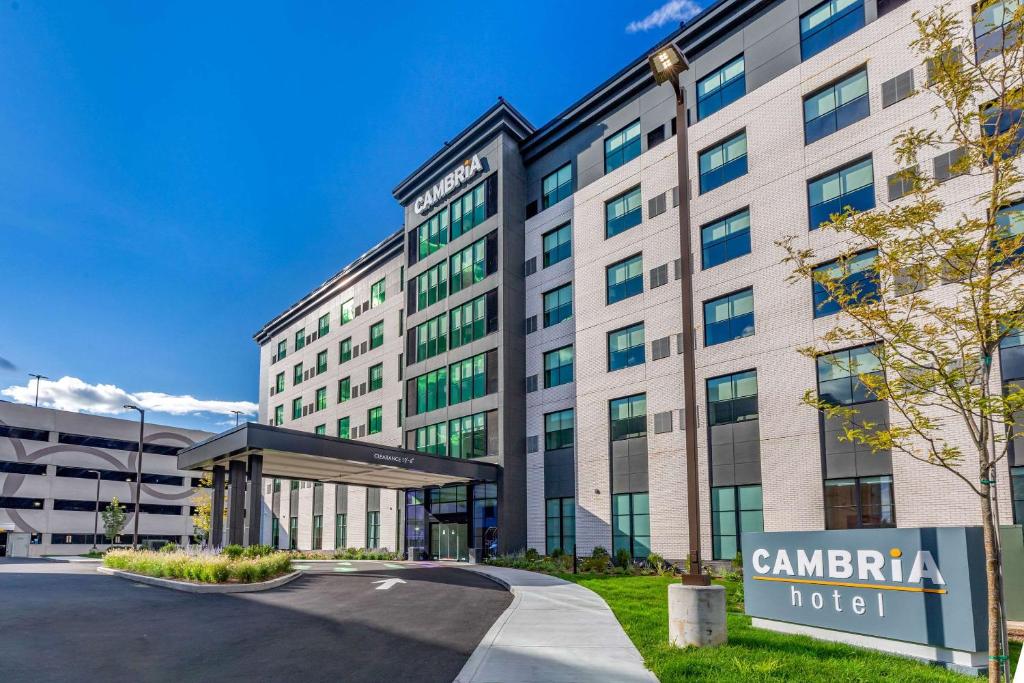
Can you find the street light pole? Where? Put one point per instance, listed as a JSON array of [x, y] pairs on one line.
[[138, 472], [237, 413], [96, 518], [38, 378]]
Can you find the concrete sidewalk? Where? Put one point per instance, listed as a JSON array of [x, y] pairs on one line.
[[554, 631]]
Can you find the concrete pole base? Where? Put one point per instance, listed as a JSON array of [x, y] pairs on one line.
[[696, 615]]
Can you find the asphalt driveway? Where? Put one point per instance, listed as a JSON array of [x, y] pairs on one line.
[[348, 622]]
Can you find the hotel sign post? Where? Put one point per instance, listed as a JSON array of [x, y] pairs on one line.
[[917, 592]]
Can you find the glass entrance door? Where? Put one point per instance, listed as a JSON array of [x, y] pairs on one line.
[[449, 541]]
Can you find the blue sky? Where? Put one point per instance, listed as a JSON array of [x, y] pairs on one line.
[[173, 174]]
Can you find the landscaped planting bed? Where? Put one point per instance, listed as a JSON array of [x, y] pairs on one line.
[[200, 566]]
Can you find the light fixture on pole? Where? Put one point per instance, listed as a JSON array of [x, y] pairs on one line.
[[237, 413], [38, 379], [138, 471], [96, 518], [694, 619]]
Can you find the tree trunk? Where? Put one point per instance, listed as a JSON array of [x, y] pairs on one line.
[[994, 598]]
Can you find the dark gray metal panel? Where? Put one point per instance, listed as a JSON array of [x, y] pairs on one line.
[[372, 499], [217, 512], [236, 502], [341, 498], [255, 498], [629, 465], [559, 473], [318, 498], [851, 459]]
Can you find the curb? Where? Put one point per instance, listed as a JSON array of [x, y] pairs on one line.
[[187, 587]]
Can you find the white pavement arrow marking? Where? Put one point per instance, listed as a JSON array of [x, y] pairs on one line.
[[387, 583]]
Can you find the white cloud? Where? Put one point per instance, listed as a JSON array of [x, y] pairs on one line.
[[71, 393], [672, 11]]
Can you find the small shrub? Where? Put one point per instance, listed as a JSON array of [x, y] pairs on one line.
[[257, 550], [532, 555], [233, 551], [658, 564], [622, 558], [169, 547]]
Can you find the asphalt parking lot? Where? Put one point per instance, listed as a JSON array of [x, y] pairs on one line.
[[346, 621]]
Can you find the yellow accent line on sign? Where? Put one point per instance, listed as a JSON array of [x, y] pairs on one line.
[[907, 589]]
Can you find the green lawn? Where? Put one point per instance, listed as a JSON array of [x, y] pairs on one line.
[[641, 605]]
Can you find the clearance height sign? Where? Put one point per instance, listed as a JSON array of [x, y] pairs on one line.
[[915, 585]]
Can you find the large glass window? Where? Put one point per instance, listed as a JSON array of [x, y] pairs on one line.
[[432, 337], [323, 325], [432, 439], [321, 398], [296, 373], [348, 311], [431, 391], [300, 339], [467, 436], [469, 210], [836, 106], [345, 350], [296, 408], [857, 277], [374, 420], [623, 212], [468, 322], [467, 379], [839, 375], [725, 239], [279, 383], [558, 367], [734, 510], [828, 23], [373, 529], [378, 291], [558, 305], [376, 334], [622, 147], [321, 362], [557, 245], [559, 428], [1010, 228], [432, 285], [625, 279], [732, 398], [341, 530], [1017, 493], [556, 186], [343, 427], [278, 416], [282, 349], [859, 503], [375, 376], [729, 317], [628, 417], [720, 88], [996, 120], [560, 525], [994, 30], [469, 266], [631, 524], [626, 347], [849, 187], [318, 532], [293, 533], [724, 162], [432, 234]]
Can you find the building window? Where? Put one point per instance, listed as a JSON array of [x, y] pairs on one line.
[[732, 398], [725, 239], [432, 439], [558, 367], [431, 391], [341, 530], [558, 429], [296, 408], [469, 266], [278, 416], [279, 383], [994, 30], [321, 362], [345, 350], [372, 529], [560, 525], [432, 285], [839, 375], [720, 88], [850, 187], [432, 337], [729, 317], [376, 334], [468, 322], [558, 305], [556, 186], [631, 524], [996, 120], [624, 279], [293, 533], [318, 532], [344, 389], [321, 398], [431, 235], [828, 23], [836, 106], [275, 532], [623, 212], [323, 325], [859, 503], [467, 436], [723, 163], [320, 430], [622, 147], [856, 276], [1017, 493], [378, 292], [348, 311], [375, 376], [1010, 231], [628, 417], [300, 339], [374, 420], [343, 427], [296, 373], [626, 347], [282, 349], [557, 245], [734, 510], [467, 379], [469, 210]]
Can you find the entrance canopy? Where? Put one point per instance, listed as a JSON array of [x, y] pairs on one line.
[[290, 454]]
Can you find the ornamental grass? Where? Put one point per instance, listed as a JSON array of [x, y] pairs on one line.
[[198, 566]]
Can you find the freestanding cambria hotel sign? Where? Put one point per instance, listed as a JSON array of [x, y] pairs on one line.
[[448, 184], [916, 586]]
